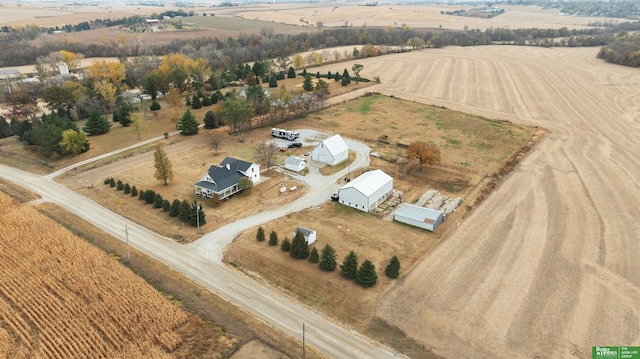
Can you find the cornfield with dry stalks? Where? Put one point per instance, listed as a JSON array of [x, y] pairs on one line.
[[62, 298]]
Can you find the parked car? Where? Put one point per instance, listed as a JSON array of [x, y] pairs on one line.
[[283, 149], [295, 145]]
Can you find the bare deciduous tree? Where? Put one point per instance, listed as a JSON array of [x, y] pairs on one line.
[[265, 152], [216, 140]]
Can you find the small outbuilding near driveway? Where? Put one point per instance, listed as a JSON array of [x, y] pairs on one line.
[[294, 163], [417, 216], [331, 151], [367, 191]]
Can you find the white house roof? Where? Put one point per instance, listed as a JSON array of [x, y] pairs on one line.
[[294, 161], [417, 213], [335, 144], [369, 182]]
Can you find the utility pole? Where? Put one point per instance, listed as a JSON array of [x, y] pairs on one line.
[[303, 348], [126, 232], [198, 216]]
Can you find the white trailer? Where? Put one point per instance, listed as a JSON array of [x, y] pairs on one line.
[[281, 133]]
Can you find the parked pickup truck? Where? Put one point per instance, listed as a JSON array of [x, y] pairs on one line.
[[294, 145]]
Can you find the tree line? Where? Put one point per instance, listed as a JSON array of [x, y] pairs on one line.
[[363, 274], [224, 52]]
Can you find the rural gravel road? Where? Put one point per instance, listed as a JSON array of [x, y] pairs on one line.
[[201, 261]]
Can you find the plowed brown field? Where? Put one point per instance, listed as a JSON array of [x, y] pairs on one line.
[[548, 266]]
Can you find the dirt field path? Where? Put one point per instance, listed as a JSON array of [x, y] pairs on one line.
[[548, 266]]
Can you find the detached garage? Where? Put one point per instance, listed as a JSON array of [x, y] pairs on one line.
[[331, 151], [367, 191], [417, 216]]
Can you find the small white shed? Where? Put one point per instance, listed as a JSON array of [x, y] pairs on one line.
[[417, 216], [309, 234], [294, 163], [331, 151], [367, 191]]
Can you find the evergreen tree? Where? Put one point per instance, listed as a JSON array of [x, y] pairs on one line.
[[329, 75], [344, 81], [188, 100], [307, 85], [187, 125], [393, 268], [166, 205], [349, 266], [260, 235], [318, 74], [196, 215], [216, 96], [366, 275], [199, 94], [299, 247], [127, 188], [157, 201], [304, 72], [206, 101], [196, 103], [185, 211], [273, 238], [141, 195], [345, 75], [210, 120], [134, 191], [155, 106], [292, 73], [175, 208], [314, 257], [286, 245], [106, 181], [96, 124], [273, 82], [119, 185], [112, 182], [328, 259], [149, 196]]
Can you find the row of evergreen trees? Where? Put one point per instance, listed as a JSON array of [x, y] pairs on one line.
[[183, 210], [364, 275]]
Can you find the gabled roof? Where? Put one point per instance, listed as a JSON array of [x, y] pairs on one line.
[[235, 164], [335, 144], [417, 213], [305, 231], [369, 182], [293, 160]]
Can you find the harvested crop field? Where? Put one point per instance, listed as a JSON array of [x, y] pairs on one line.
[[62, 298], [547, 267]]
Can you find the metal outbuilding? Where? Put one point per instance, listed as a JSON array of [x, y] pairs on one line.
[[331, 151], [417, 216], [367, 191]]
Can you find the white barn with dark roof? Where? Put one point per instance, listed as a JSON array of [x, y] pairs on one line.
[[223, 180], [417, 216], [331, 151], [367, 191]]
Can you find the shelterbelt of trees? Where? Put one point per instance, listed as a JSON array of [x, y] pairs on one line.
[[18, 49]]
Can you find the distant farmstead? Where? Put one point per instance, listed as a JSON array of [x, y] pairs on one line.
[[224, 180], [417, 216], [367, 191], [331, 151]]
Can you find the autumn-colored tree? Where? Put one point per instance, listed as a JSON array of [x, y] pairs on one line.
[[138, 124], [424, 153], [64, 95], [198, 70], [73, 142], [164, 168], [174, 67], [71, 59], [174, 100], [109, 71], [298, 61]]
